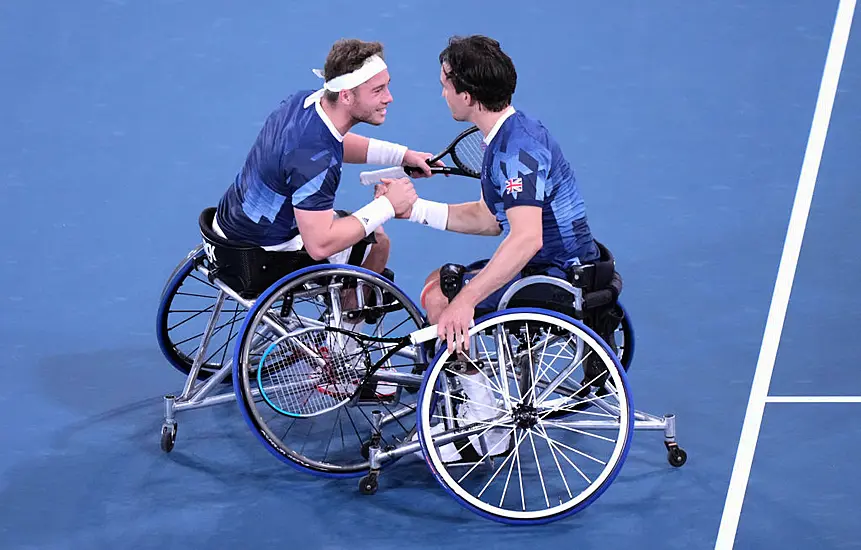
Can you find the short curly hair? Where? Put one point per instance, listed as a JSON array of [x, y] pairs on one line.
[[347, 55]]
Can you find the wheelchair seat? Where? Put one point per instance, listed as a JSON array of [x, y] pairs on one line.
[[246, 268], [598, 284], [589, 293]]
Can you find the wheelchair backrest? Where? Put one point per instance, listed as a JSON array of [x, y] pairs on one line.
[[246, 268]]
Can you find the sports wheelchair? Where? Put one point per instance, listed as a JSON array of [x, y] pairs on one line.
[[334, 371]]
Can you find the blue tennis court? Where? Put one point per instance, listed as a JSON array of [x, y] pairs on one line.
[[687, 125]]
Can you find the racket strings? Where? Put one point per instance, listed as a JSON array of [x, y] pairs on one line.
[[470, 152], [311, 373]]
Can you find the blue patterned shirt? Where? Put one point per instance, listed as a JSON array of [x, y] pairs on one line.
[[523, 165], [294, 162]]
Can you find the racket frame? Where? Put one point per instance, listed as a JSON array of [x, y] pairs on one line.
[[459, 168]]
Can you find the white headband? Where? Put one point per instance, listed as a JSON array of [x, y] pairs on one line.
[[372, 66]]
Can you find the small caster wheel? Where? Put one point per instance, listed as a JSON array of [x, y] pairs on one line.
[[676, 456], [368, 485], [168, 438]]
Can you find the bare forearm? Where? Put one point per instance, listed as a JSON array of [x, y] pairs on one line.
[[343, 232], [355, 148], [510, 258], [471, 218]]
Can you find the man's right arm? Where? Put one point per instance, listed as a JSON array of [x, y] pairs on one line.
[[324, 235], [314, 175], [472, 218]]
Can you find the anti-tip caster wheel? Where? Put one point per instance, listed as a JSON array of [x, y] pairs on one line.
[[676, 456], [368, 485], [168, 437]]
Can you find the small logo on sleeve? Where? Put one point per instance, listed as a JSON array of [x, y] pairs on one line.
[[514, 185]]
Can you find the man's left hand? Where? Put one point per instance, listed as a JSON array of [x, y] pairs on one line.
[[417, 159], [453, 325]]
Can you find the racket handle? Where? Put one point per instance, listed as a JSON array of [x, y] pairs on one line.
[[423, 335], [373, 177]]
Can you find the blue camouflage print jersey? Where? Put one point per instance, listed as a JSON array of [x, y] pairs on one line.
[[523, 165], [294, 162]]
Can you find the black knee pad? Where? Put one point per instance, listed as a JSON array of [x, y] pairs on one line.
[[451, 279]]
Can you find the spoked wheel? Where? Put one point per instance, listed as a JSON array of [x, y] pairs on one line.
[[187, 302], [303, 392], [487, 424]]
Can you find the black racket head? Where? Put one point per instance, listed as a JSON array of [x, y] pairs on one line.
[[467, 152]]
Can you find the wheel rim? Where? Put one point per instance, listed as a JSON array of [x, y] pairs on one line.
[[186, 305], [502, 492], [328, 444]]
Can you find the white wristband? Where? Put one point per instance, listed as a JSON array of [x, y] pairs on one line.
[[375, 214], [386, 153], [433, 214]]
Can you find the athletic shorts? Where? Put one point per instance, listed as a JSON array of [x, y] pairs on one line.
[[491, 303], [296, 243]]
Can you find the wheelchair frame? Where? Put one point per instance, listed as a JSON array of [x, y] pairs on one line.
[[201, 393], [642, 420], [197, 394]]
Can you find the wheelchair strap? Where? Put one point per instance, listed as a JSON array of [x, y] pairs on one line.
[[357, 254], [595, 275]]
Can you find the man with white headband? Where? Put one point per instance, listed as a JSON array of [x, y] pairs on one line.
[[283, 198], [528, 193]]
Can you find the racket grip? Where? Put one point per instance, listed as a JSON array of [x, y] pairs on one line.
[[423, 335], [374, 176]]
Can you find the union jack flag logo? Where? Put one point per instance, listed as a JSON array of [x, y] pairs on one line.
[[514, 185]]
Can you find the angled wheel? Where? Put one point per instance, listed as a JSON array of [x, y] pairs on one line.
[[624, 339], [304, 394], [487, 424], [187, 301]]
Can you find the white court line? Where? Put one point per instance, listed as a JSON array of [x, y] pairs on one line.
[[813, 399], [785, 276]]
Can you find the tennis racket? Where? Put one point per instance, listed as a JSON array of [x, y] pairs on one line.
[[466, 152]]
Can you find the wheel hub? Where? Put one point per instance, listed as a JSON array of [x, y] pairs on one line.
[[525, 416]]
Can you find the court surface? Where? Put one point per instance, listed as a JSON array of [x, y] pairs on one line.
[[687, 124]]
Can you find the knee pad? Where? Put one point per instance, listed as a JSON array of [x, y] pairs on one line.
[[451, 280]]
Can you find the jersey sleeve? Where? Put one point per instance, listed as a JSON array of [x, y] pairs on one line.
[[520, 173], [313, 175]]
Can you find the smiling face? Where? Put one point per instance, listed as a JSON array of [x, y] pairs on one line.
[[460, 104], [368, 102]]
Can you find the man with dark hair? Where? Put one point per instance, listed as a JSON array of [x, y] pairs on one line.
[[528, 192], [283, 198]]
